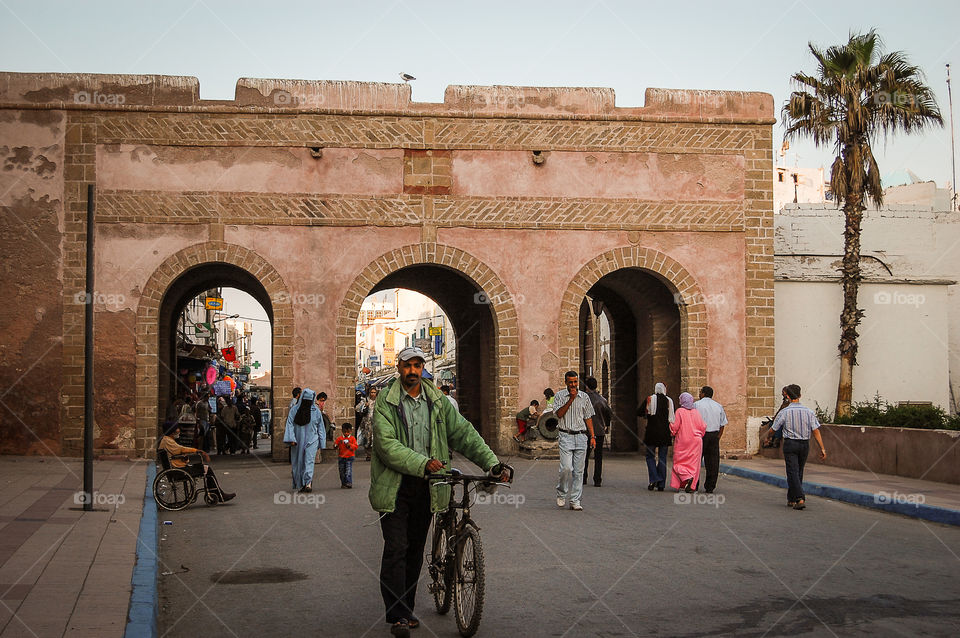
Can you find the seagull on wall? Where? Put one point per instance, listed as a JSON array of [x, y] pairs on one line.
[[406, 77]]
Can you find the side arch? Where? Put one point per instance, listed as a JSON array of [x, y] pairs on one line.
[[148, 327], [506, 363], [684, 287]]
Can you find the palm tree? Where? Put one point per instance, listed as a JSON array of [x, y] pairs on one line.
[[857, 94]]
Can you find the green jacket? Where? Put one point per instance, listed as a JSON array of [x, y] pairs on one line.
[[392, 457]]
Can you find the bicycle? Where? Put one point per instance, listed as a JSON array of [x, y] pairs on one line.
[[456, 554]]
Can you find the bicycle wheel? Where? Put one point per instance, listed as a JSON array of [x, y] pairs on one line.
[[468, 582], [174, 489], [441, 568]]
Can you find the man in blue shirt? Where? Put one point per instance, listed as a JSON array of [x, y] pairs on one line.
[[798, 423]]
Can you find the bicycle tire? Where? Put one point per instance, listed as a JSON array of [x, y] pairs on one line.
[[468, 582], [441, 569], [174, 489]]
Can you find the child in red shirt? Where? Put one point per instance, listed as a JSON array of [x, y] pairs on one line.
[[346, 449]]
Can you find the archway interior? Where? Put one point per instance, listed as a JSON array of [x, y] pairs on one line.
[[191, 283], [644, 346], [474, 327]]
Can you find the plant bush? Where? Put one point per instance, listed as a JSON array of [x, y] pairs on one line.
[[879, 412]]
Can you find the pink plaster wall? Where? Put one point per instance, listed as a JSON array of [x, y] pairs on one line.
[[663, 176], [319, 265], [538, 280], [250, 169]]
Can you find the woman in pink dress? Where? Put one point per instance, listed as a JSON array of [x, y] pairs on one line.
[[687, 428]]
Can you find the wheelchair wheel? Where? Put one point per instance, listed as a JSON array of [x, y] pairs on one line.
[[174, 489], [210, 498]]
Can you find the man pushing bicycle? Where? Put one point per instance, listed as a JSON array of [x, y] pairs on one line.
[[415, 428]]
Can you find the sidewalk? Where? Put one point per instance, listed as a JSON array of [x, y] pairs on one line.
[[63, 571], [937, 502]]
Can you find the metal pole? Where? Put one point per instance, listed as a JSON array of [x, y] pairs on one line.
[[953, 155], [88, 364]]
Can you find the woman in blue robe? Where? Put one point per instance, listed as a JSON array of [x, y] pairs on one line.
[[305, 434]]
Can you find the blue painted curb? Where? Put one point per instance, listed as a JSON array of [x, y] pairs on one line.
[[880, 501], [144, 599]]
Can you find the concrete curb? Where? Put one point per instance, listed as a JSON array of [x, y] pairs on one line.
[[144, 599], [880, 501]]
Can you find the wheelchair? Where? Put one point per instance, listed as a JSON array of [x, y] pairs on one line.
[[177, 487]]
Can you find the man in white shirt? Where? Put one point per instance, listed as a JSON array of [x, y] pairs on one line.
[[446, 392], [715, 418], [575, 412]]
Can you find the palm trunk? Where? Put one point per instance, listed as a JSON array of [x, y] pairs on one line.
[[850, 316]]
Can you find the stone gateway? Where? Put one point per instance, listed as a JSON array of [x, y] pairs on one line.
[[525, 213]]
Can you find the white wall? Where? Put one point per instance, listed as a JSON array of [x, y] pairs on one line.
[[902, 355], [910, 335]]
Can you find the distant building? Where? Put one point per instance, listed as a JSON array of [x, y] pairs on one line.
[[798, 185], [909, 346]]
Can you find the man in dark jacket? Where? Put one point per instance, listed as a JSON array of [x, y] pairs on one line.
[[601, 423], [414, 431]]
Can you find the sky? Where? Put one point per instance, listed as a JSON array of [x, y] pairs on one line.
[[627, 46]]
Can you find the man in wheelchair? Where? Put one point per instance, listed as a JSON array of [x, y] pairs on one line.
[[179, 458]]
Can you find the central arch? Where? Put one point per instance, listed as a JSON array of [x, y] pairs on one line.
[[672, 329], [431, 268]]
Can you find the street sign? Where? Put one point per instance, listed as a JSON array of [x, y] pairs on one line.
[[438, 345], [435, 330], [214, 303]]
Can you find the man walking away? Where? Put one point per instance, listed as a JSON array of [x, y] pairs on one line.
[[798, 423], [715, 418], [601, 425]]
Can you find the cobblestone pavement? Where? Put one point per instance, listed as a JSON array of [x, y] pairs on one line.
[[633, 563]]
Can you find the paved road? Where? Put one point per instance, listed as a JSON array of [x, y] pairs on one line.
[[634, 563]]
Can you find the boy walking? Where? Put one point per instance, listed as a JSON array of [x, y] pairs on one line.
[[346, 449]]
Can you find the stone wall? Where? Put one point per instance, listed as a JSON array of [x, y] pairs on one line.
[[323, 189]]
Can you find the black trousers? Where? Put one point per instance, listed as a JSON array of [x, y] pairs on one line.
[[404, 536], [795, 457], [597, 462], [711, 459]]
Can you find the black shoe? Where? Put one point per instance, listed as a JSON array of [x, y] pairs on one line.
[[414, 622], [596, 483], [651, 486], [401, 629], [226, 496], [659, 488]]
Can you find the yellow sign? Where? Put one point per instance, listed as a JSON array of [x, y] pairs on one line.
[[214, 303], [435, 331]]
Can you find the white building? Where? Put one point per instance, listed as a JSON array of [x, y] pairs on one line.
[[909, 345], [394, 319]]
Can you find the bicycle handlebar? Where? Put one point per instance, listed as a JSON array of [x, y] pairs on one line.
[[456, 476]]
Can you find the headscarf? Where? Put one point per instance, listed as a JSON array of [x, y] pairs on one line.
[[686, 400], [304, 407], [661, 389]]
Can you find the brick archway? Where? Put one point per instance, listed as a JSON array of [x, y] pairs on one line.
[[506, 361], [148, 330], [686, 290]]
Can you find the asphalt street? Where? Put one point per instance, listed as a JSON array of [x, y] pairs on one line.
[[633, 563]]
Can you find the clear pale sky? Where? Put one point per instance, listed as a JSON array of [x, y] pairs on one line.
[[628, 46]]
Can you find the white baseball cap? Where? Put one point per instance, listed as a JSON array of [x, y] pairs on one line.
[[411, 353]]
